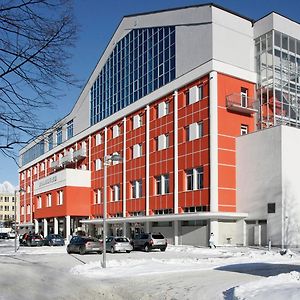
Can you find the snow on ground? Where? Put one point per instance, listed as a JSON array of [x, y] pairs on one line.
[[180, 259]]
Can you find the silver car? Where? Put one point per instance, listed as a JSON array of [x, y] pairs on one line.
[[118, 244]]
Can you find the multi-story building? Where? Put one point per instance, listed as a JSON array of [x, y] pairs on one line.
[[175, 94], [7, 208]]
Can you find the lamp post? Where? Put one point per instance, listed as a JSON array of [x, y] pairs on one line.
[[15, 216], [106, 162]]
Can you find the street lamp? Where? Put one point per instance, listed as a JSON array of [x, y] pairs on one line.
[[15, 216], [107, 161]]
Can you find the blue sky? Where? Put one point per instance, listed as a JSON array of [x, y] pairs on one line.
[[98, 19]]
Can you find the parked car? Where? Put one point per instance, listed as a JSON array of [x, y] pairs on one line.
[[83, 244], [118, 244], [11, 234], [149, 241], [54, 240], [4, 235], [31, 239]]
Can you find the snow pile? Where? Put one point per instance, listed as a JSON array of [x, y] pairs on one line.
[[282, 286]]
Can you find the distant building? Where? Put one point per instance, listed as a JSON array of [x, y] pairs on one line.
[[7, 208], [184, 96]]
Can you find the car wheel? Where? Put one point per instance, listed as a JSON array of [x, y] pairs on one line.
[[68, 251], [51, 243], [99, 252], [28, 243], [146, 248], [163, 249], [112, 250], [81, 250], [128, 251]]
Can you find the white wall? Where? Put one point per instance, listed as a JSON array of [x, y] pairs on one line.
[[259, 177], [291, 184], [268, 163]]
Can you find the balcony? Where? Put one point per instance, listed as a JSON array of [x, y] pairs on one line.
[[55, 165], [240, 103], [63, 178], [67, 159], [79, 154]]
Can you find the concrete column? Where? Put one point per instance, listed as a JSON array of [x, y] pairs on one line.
[[147, 227], [213, 140], [214, 228], [124, 170], [175, 95], [55, 225], [147, 160], [36, 226], [68, 227], [124, 229], [45, 222], [176, 233]]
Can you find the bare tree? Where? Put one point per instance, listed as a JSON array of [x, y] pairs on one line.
[[35, 38]]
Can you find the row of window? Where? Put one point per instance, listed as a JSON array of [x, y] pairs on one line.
[[59, 199], [6, 217], [194, 181], [7, 208], [7, 199]]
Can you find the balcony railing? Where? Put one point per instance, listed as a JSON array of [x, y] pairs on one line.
[[56, 165], [67, 159], [240, 103], [80, 154]]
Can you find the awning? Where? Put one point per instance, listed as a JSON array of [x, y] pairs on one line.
[[171, 217]]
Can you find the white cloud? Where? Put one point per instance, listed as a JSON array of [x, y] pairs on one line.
[[7, 187]]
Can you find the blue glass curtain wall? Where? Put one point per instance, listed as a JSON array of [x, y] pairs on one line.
[[143, 61]]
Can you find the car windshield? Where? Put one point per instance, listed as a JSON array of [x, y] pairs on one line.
[[56, 236], [121, 240], [158, 236]]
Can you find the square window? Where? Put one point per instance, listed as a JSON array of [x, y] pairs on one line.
[[271, 208]]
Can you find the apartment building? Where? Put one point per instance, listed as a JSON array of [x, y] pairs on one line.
[[7, 207], [181, 95]]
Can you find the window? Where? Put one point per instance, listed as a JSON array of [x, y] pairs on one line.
[[194, 131], [98, 139], [39, 202], [136, 151], [194, 179], [35, 170], [6, 208], [49, 200], [244, 129], [136, 188], [42, 166], [115, 189], [28, 189], [22, 210], [22, 176], [6, 199], [70, 129], [50, 141], [28, 209], [98, 164], [28, 173], [115, 162], [116, 131], [271, 208], [137, 121], [60, 197], [162, 184], [162, 109], [59, 135], [244, 97], [162, 142], [187, 97], [97, 196], [200, 92]]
